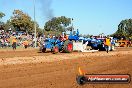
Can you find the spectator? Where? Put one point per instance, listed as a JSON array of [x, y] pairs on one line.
[[14, 43], [25, 43]]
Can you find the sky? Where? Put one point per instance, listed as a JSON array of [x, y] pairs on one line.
[[90, 16]]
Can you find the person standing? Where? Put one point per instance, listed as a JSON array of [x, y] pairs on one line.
[[107, 43], [14, 43], [25, 44]]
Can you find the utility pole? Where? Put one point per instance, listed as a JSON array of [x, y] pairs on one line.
[[34, 25], [72, 25]]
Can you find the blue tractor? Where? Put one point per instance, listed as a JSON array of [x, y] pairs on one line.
[[74, 37], [57, 45]]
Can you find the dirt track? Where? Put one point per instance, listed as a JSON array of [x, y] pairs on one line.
[[29, 69]]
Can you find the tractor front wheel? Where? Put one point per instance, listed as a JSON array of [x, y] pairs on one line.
[[43, 50]]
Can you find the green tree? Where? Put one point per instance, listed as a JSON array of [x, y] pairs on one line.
[[57, 24], [22, 21], [1, 15], [8, 25], [124, 29], [39, 31]]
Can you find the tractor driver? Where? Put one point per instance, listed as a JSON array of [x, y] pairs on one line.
[[65, 36]]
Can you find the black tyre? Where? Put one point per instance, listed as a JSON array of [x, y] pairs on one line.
[[68, 46], [43, 50], [101, 48], [55, 49]]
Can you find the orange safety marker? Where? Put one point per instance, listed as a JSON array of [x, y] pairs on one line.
[[81, 72]]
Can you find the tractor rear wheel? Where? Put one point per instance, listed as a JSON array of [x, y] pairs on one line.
[[68, 46], [55, 49]]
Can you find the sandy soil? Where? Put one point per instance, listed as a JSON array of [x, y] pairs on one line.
[[31, 69]]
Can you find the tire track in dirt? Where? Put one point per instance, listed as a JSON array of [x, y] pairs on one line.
[[62, 73]]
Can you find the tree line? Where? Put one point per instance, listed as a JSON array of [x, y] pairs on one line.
[[20, 21], [124, 30]]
